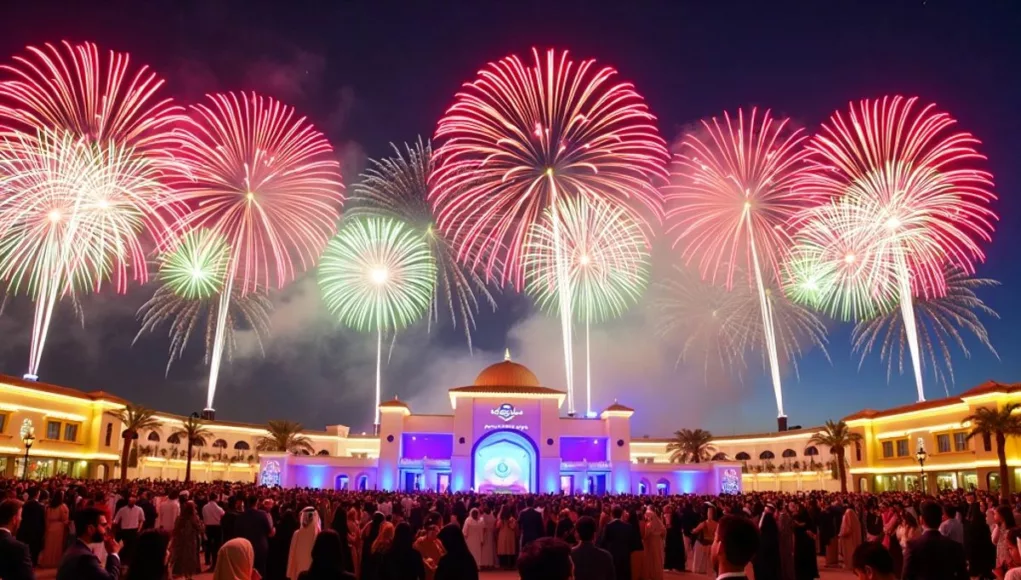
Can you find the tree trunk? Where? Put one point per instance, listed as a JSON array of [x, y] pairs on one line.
[[841, 470], [1001, 454], [125, 454], [187, 465]]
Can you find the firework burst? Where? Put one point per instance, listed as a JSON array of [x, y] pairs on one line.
[[731, 198], [519, 137], [378, 275], [940, 323], [398, 188], [918, 192], [607, 265], [264, 179]]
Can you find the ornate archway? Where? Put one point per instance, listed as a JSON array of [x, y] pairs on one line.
[[505, 461]]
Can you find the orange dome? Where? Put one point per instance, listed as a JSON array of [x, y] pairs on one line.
[[506, 374]]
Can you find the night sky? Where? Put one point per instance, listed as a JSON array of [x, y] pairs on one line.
[[373, 72]]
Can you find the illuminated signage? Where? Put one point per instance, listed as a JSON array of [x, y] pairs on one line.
[[506, 412], [730, 482]]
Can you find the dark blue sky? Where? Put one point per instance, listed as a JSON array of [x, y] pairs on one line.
[[373, 72]]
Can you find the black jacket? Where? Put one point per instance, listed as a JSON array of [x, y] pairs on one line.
[[15, 560], [33, 522], [618, 540], [79, 563], [592, 563], [933, 556], [531, 526]]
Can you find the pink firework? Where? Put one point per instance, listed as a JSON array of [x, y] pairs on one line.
[[520, 135]]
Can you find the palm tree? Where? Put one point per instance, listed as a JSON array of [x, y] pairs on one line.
[[194, 430], [285, 437], [999, 423], [135, 419], [690, 445], [837, 437]]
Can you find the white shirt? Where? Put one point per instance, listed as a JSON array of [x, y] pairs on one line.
[[211, 514], [386, 508], [167, 514], [129, 517]]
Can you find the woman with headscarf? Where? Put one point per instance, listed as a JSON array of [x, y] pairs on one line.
[[674, 557], [766, 562], [328, 557], [475, 535], [652, 539], [507, 538], [235, 561], [806, 566], [403, 561], [457, 563], [280, 545], [489, 533], [302, 541]]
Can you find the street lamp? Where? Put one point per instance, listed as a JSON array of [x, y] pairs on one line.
[[27, 439], [921, 456]]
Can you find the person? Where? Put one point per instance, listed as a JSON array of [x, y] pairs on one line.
[[530, 523], [617, 539], [546, 559], [369, 533], [184, 553], [474, 535], [128, 522], [932, 555], [489, 538], [428, 544], [978, 544], [402, 561], [253, 526], [151, 557], [734, 546], [767, 560], [33, 525], [871, 561], [1003, 519], [212, 517], [149, 509], [1011, 567], [507, 538], [168, 512], [653, 537], [236, 561], [57, 519], [590, 561], [806, 566], [952, 527], [379, 550], [328, 557], [674, 557], [15, 555], [280, 544], [79, 562], [786, 534], [303, 539], [457, 563], [850, 534], [704, 534]]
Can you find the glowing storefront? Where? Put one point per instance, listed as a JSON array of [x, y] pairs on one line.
[[505, 435]]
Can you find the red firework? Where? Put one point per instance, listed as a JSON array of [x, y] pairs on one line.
[[263, 178], [521, 135], [914, 178], [733, 195]]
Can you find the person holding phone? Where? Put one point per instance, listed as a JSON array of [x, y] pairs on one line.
[[79, 563]]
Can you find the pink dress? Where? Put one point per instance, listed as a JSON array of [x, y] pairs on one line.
[[56, 536]]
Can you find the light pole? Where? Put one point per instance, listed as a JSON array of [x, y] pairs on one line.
[[921, 456], [27, 439]]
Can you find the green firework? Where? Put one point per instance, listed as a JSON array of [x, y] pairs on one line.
[[196, 268]]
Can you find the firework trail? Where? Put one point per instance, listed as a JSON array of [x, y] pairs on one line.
[[918, 194], [265, 180], [731, 198], [939, 321], [83, 157], [521, 136], [378, 275], [607, 265], [398, 188]]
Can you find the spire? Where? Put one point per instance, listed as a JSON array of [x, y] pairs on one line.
[[506, 354]]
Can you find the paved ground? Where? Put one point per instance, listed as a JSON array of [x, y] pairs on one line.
[[826, 573]]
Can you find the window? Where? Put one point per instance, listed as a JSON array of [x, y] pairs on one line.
[[943, 442], [887, 449], [53, 430], [902, 448], [174, 439], [987, 444], [789, 453], [767, 455], [742, 456], [961, 441], [3, 421], [857, 450], [154, 436], [70, 431], [242, 446], [220, 444], [109, 434]]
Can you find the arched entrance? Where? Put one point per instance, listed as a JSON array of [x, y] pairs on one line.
[[504, 461]]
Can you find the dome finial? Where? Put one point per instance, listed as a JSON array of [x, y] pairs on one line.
[[506, 354]]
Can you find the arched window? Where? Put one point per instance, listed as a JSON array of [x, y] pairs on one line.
[[789, 453], [220, 444], [767, 455], [198, 443], [719, 457], [742, 456], [109, 434], [323, 452], [811, 451], [174, 439], [303, 452], [154, 436], [242, 446], [857, 450]]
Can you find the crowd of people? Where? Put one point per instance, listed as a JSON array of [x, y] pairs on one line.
[[157, 530]]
